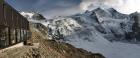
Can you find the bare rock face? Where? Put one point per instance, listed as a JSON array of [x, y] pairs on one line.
[[135, 34], [37, 16]]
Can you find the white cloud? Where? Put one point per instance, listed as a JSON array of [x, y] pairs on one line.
[[130, 6], [123, 6]]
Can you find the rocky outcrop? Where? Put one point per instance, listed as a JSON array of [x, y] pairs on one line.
[[37, 16], [135, 34]]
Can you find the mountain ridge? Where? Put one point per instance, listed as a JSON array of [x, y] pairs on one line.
[[103, 31]]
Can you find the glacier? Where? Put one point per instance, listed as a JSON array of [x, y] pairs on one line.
[[104, 31]]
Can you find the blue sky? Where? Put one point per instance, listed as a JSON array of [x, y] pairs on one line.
[[45, 7], [50, 8], [39, 4]]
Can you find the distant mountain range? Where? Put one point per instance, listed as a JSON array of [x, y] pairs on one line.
[[101, 30]]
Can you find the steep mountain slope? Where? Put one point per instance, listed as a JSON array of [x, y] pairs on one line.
[[47, 49], [103, 31], [109, 23]]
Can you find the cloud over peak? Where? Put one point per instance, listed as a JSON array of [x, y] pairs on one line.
[[123, 6], [68, 7]]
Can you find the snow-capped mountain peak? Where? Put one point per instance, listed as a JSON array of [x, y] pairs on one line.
[[33, 15], [103, 31], [27, 14], [99, 30]]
